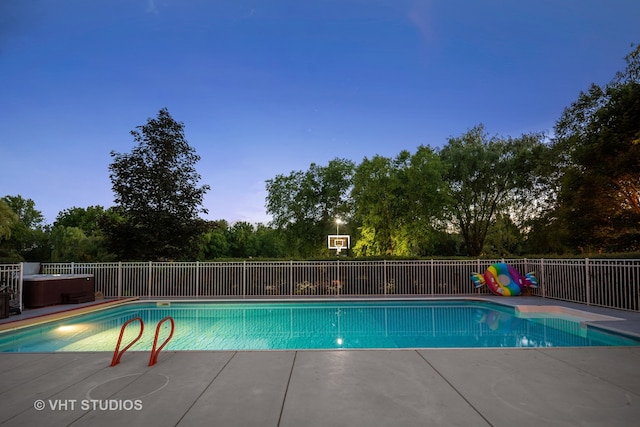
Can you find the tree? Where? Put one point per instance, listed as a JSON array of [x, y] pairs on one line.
[[598, 147], [28, 215], [504, 237], [428, 195], [87, 220], [304, 205], [379, 194], [487, 176], [70, 244], [242, 240], [76, 235], [8, 218], [547, 235], [28, 239], [215, 240], [270, 242], [156, 194], [399, 203]]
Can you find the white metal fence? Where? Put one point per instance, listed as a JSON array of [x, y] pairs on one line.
[[601, 282], [11, 283], [607, 283]]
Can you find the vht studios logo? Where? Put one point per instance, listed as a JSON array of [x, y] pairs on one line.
[[88, 405]]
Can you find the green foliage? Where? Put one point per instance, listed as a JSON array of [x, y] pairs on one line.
[[71, 244], [304, 205], [214, 240], [504, 238], [598, 152], [8, 218], [87, 220], [377, 193], [76, 236], [156, 194], [488, 176], [242, 240], [399, 203], [546, 235], [270, 242], [27, 238], [28, 215]]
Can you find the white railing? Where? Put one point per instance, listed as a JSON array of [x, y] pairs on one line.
[[601, 282], [11, 283], [607, 283]]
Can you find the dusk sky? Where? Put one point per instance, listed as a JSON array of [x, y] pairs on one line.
[[265, 87]]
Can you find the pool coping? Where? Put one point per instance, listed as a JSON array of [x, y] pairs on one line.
[[527, 311], [13, 325]]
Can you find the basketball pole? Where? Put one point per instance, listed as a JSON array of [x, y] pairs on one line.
[[338, 222]]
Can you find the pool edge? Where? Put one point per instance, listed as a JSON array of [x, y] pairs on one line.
[[17, 324]]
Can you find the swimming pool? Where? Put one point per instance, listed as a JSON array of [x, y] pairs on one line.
[[314, 325]]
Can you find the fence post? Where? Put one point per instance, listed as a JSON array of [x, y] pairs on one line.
[[384, 277], [337, 277], [21, 275], [291, 278], [543, 279], [587, 281], [149, 279], [478, 270], [119, 283], [197, 279], [244, 279], [73, 270], [433, 277]]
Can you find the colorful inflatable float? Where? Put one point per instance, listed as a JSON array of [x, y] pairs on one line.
[[504, 280]]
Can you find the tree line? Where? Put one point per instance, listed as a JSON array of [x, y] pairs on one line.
[[479, 194]]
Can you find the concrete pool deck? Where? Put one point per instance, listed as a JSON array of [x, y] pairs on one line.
[[467, 387]]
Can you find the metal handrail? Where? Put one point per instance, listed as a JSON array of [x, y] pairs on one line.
[[118, 354], [154, 353]]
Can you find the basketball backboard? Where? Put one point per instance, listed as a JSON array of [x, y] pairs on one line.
[[338, 241]]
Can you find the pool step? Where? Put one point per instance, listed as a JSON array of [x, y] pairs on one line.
[[77, 297]]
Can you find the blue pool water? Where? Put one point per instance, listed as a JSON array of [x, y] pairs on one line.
[[313, 325]]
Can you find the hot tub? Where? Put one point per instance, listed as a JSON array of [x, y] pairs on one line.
[[41, 290]]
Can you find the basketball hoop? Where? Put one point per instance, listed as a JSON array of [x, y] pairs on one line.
[[338, 242]]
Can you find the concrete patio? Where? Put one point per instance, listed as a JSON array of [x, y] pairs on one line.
[[528, 387]]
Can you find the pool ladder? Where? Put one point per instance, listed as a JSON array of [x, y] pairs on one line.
[[117, 354]]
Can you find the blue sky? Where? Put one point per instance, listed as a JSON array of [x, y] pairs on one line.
[[265, 87]]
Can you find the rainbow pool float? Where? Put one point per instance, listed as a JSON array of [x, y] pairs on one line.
[[504, 280]]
